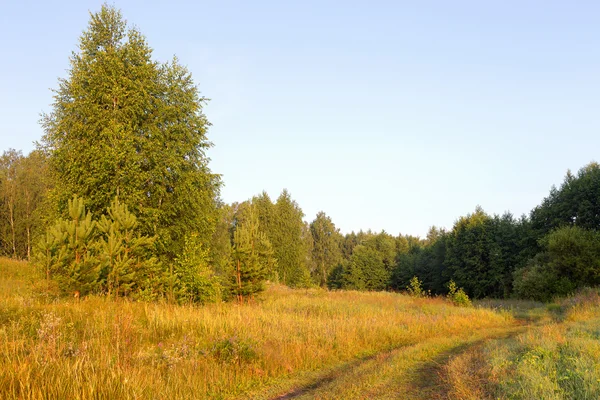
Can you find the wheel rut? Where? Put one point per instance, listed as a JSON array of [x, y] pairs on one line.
[[414, 371]]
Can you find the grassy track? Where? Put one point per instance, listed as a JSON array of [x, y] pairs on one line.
[[407, 372], [558, 357], [292, 344], [285, 340]]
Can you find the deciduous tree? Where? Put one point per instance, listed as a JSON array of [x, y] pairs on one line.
[[123, 124]]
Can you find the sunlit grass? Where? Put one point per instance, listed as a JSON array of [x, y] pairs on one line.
[[558, 359], [118, 349]]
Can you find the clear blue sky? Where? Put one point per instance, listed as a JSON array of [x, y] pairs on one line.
[[385, 115]]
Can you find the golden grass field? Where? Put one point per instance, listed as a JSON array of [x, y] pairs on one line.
[[287, 344]]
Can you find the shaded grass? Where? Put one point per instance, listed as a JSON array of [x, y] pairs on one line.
[[100, 348]]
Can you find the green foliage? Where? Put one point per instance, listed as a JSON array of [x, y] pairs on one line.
[[326, 252], [335, 279], [366, 270], [68, 251], [574, 253], [234, 350], [8, 179], [482, 253], [415, 288], [287, 239], [220, 249], [570, 259], [196, 281], [457, 295], [123, 124], [23, 187], [422, 259], [290, 237], [108, 256], [574, 203], [538, 282], [371, 262], [252, 257], [125, 256], [385, 245], [267, 214]]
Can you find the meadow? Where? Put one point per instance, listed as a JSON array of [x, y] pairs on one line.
[[556, 358], [287, 344]]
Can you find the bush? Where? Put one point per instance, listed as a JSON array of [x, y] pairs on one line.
[[574, 253], [458, 295], [415, 288], [194, 278], [540, 282], [233, 350]]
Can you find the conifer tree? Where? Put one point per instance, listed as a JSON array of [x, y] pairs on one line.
[[123, 124], [196, 281], [50, 251], [366, 270], [266, 212], [220, 248], [252, 257], [124, 254], [67, 252]]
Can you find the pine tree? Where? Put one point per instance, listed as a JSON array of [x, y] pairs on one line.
[[67, 252], [220, 248], [196, 281], [50, 252], [252, 257], [124, 254], [123, 124]]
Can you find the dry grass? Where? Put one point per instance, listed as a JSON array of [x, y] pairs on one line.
[[98, 348], [468, 376], [558, 358]]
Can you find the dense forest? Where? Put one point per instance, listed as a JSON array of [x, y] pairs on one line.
[[118, 198]]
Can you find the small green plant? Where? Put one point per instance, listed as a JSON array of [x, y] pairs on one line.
[[415, 288], [457, 295], [193, 277], [234, 350]]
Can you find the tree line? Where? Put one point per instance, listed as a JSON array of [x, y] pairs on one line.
[[118, 198]]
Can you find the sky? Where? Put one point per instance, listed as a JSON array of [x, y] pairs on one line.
[[386, 115]]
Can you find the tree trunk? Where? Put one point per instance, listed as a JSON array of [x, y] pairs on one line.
[[28, 243], [11, 210], [171, 270], [28, 224], [239, 282]]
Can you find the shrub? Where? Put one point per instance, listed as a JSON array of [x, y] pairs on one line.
[[458, 295], [540, 282], [233, 350], [195, 279], [415, 288]]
